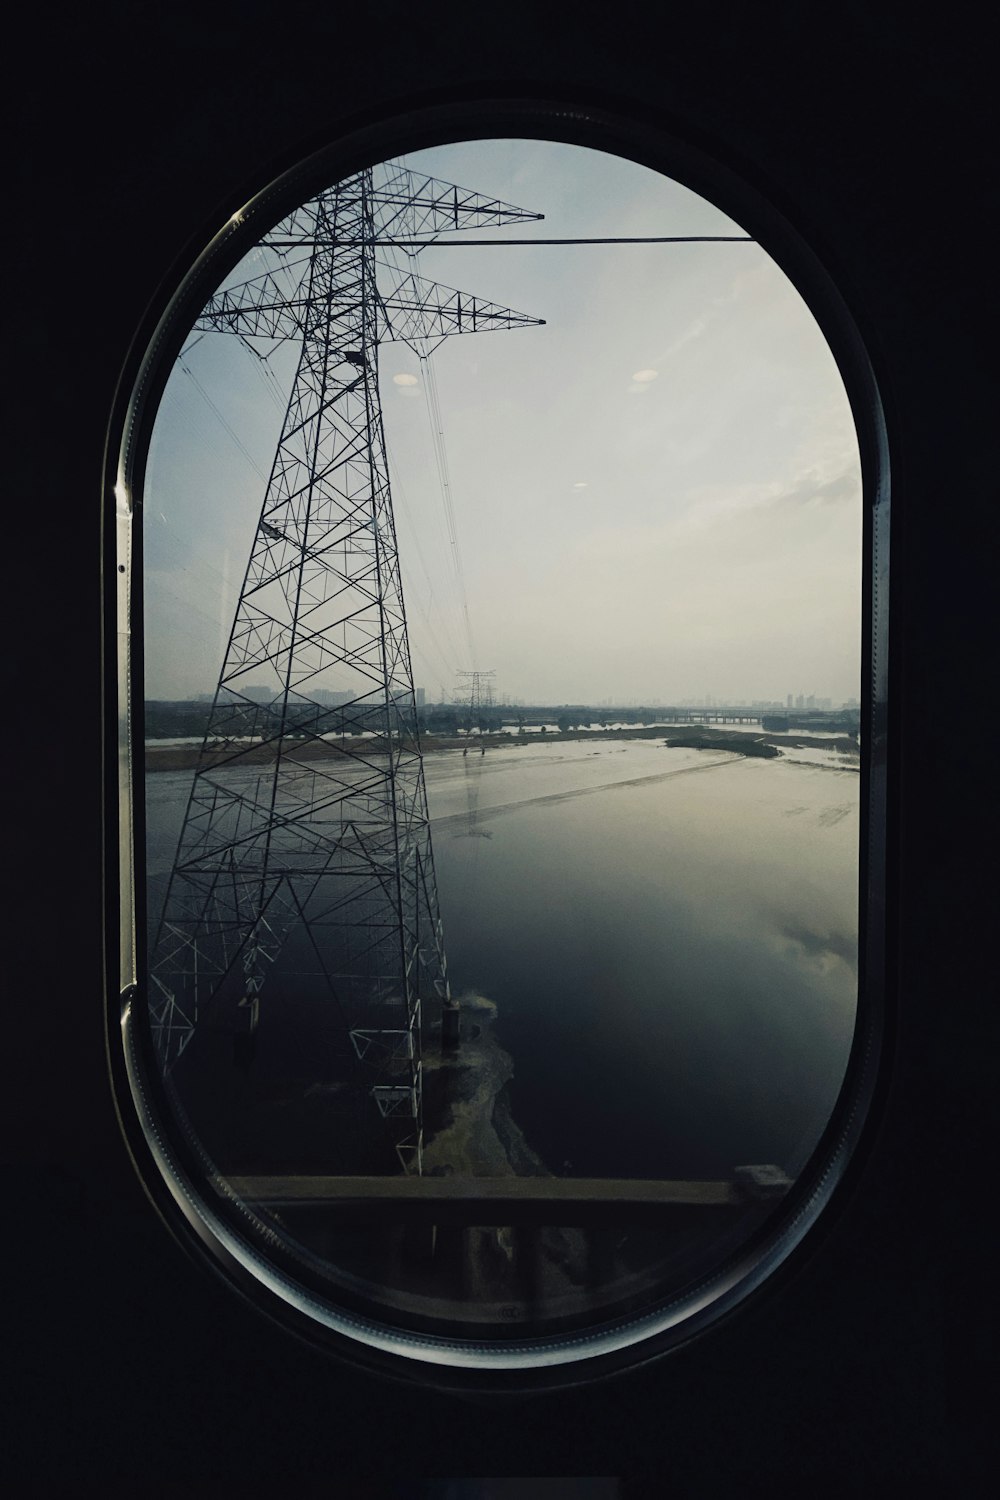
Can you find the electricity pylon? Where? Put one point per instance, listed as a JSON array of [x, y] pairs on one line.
[[285, 835], [480, 691]]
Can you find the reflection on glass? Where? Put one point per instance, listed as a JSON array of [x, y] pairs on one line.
[[502, 738]]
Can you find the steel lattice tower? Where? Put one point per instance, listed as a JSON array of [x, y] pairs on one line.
[[282, 837], [480, 691]]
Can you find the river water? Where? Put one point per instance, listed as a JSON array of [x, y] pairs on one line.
[[669, 935]]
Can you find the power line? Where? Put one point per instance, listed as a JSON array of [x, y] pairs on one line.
[[232, 433], [638, 239], [441, 456], [267, 376], [446, 657]]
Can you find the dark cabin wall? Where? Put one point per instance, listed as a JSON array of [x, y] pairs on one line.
[[134, 130]]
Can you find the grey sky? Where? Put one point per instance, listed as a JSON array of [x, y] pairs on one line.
[[693, 532]]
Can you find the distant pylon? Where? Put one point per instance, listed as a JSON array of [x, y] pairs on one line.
[[284, 835], [480, 695]]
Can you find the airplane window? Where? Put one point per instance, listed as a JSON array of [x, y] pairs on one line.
[[494, 769]]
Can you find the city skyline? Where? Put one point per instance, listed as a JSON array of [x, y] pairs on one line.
[[258, 693]]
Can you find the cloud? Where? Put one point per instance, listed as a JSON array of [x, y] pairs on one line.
[[813, 487], [744, 283], [823, 948], [708, 505], [830, 491], [693, 331]]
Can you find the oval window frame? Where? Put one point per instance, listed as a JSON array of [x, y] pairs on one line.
[[449, 1363]]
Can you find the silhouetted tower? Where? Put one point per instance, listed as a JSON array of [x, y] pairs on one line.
[[285, 842], [479, 695]]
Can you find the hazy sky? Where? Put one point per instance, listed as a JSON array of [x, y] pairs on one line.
[[695, 531]]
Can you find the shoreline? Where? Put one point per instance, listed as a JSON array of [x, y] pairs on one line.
[[473, 1134], [162, 757]]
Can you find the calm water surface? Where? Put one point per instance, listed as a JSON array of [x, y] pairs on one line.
[[670, 937]]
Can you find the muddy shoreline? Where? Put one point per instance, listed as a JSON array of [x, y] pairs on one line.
[[468, 1128], [159, 757]]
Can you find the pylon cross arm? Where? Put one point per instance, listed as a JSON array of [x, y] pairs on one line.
[[227, 313], [429, 205], [420, 309]]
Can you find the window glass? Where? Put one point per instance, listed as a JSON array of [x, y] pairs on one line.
[[502, 557]]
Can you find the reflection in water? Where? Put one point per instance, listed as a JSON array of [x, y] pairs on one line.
[[657, 953], [669, 937]]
